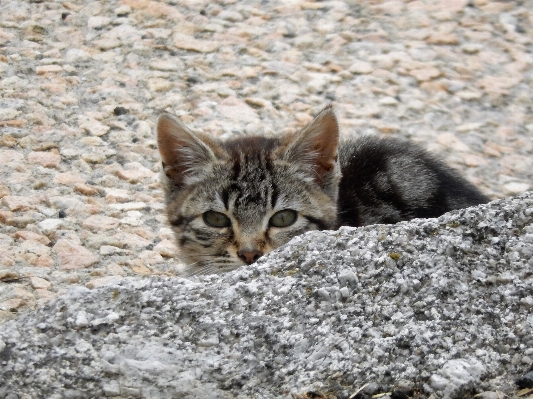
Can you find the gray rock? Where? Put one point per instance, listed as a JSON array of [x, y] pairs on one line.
[[439, 305]]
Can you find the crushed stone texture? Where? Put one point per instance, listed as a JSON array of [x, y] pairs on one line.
[[82, 84], [440, 306]]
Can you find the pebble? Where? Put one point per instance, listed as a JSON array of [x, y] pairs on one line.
[[100, 223], [19, 221], [30, 235], [20, 203], [86, 189], [9, 156], [138, 267], [166, 248], [388, 101], [46, 69], [72, 255], [98, 22], [186, 42], [102, 281], [151, 257], [45, 295], [114, 195], [106, 250], [92, 126], [46, 159], [443, 39], [128, 206], [48, 226], [425, 74], [471, 48], [8, 113], [134, 172], [166, 65], [6, 275], [469, 95], [40, 283], [133, 218], [361, 67], [131, 241], [514, 188], [75, 55], [69, 178]]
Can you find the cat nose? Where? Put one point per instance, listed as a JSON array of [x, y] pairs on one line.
[[249, 256]]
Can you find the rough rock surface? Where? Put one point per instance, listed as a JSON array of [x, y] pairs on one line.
[[82, 82], [441, 306]]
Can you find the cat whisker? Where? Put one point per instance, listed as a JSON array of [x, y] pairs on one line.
[[213, 267], [197, 272]]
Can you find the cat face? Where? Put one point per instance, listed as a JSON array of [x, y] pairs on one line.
[[230, 202]]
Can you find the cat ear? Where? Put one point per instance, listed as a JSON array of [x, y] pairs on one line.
[[315, 147], [185, 155]]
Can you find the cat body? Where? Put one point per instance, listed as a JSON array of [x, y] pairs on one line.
[[387, 180], [230, 202]]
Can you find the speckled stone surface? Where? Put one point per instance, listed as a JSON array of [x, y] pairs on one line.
[[81, 83], [442, 307]]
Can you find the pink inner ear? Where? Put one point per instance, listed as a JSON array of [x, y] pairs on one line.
[[171, 137], [167, 140], [327, 141], [185, 154], [317, 145]]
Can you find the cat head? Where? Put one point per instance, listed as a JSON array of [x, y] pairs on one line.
[[230, 202]]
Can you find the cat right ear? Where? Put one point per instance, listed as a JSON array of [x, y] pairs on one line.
[[315, 148], [185, 155]]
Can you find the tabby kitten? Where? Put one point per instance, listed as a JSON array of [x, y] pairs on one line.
[[230, 202]]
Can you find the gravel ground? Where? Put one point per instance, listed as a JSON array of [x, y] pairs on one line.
[[436, 308], [82, 82]]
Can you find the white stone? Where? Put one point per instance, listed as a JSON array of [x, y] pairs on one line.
[[81, 319], [8, 113], [117, 195], [515, 187], [388, 101], [98, 22], [166, 65], [166, 248], [471, 48], [128, 206], [76, 54], [361, 67], [106, 250], [92, 126], [49, 225], [133, 218]]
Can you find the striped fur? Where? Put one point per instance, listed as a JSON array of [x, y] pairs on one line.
[[250, 179]]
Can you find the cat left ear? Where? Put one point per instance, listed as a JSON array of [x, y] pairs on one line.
[[316, 146], [185, 154]]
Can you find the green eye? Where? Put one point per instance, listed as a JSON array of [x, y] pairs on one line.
[[216, 219], [283, 218]]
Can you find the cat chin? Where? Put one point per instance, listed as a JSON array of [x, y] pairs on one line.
[[194, 263]]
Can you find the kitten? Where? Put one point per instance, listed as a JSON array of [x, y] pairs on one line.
[[230, 202]]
